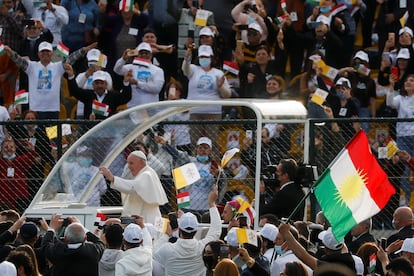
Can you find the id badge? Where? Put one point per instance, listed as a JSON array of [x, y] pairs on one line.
[[82, 18], [294, 16], [342, 112], [403, 4], [133, 31], [10, 172]]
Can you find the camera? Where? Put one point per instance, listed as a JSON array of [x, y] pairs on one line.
[[127, 220], [29, 22], [34, 220], [250, 7], [173, 220], [242, 27]]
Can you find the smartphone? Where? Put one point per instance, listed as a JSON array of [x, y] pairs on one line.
[[34, 220], [391, 36], [132, 53], [242, 27], [29, 22], [224, 251], [394, 71], [249, 134], [383, 243], [171, 92], [127, 220], [242, 221], [173, 220]]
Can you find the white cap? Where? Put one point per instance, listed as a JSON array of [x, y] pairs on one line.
[[45, 46], [362, 56], [255, 26], [206, 31], [139, 154], [188, 223], [407, 246], [403, 53], [329, 240], [204, 140], [99, 75], [406, 30], [231, 237], [143, 46], [269, 231], [133, 233], [343, 82], [7, 269], [323, 19], [205, 50], [93, 54]]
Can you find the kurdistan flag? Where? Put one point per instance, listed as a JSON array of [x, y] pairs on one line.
[[353, 188]]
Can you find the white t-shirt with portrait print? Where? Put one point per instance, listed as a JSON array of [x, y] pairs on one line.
[[44, 86], [202, 85]]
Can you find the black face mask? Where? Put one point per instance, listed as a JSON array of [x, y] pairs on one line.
[[210, 262]]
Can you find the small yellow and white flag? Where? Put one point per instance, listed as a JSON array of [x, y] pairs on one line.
[[52, 131], [201, 18], [246, 236], [161, 224], [327, 70], [392, 148], [319, 96], [228, 155], [185, 175], [403, 19]]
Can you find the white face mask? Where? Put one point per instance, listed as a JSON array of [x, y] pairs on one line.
[[205, 62]]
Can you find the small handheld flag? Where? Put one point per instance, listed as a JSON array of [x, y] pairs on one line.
[[185, 175], [183, 200], [228, 155], [62, 50], [21, 97]]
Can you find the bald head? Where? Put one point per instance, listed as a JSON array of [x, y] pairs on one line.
[[403, 216]]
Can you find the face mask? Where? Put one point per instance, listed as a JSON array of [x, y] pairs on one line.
[[204, 62], [85, 161], [341, 95], [33, 38], [9, 157], [11, 10], [90, 63], [27, 127], [202, 158], [209, 262], [279, 250], [325, 9]]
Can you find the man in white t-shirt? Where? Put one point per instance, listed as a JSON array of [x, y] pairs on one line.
[[150, 77], [45, 78]]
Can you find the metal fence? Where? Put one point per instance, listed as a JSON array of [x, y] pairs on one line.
[[281, 139]]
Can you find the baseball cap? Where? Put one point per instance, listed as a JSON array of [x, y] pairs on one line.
[[45, 46], [323, 19], [29, 230], [188, 223], [407, 246], [204, 140], [329, 240], [362, 56], [231, 237], [206, 31], [143, 46], [406, 30], [359, 265], [205, 50], [93, 54], [255, 26], [139, 154], [133, 233], [99, 75], [269, 231], [403, 53], [7, 269], [343, 82]]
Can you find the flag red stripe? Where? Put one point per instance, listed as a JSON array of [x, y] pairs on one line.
[[377, 181], [184, 194]]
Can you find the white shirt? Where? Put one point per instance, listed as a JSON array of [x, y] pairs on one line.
[[150, 81], [185, 257], [4, 117], [44, 85], [405, 108], [278, 265], [202, 85]]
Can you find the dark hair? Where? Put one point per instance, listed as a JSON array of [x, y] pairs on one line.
[[254, 251], [30, 111], [186, 235], [215, 247], [148, 30], [22, 259], [113, 235], [178, 86], [295, 269], [271, 218], [401, 264], [290, 167], [264, 47], [10, 214], [29, 250]]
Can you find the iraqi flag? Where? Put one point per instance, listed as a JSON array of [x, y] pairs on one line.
[[100, 108], [353, 188], [231, 67]]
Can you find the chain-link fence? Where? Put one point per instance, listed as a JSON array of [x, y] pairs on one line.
[[21, 178]]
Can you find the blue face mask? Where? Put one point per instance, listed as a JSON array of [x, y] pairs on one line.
[[279, 250], [202, 158], [204, 62], [85, 161], [11, 10], [9, 157], [325, 9], [341, 95]]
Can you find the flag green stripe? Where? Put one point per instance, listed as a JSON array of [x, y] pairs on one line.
[[337, 212]]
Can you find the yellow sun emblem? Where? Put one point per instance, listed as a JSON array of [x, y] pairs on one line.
[[351, 187]]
